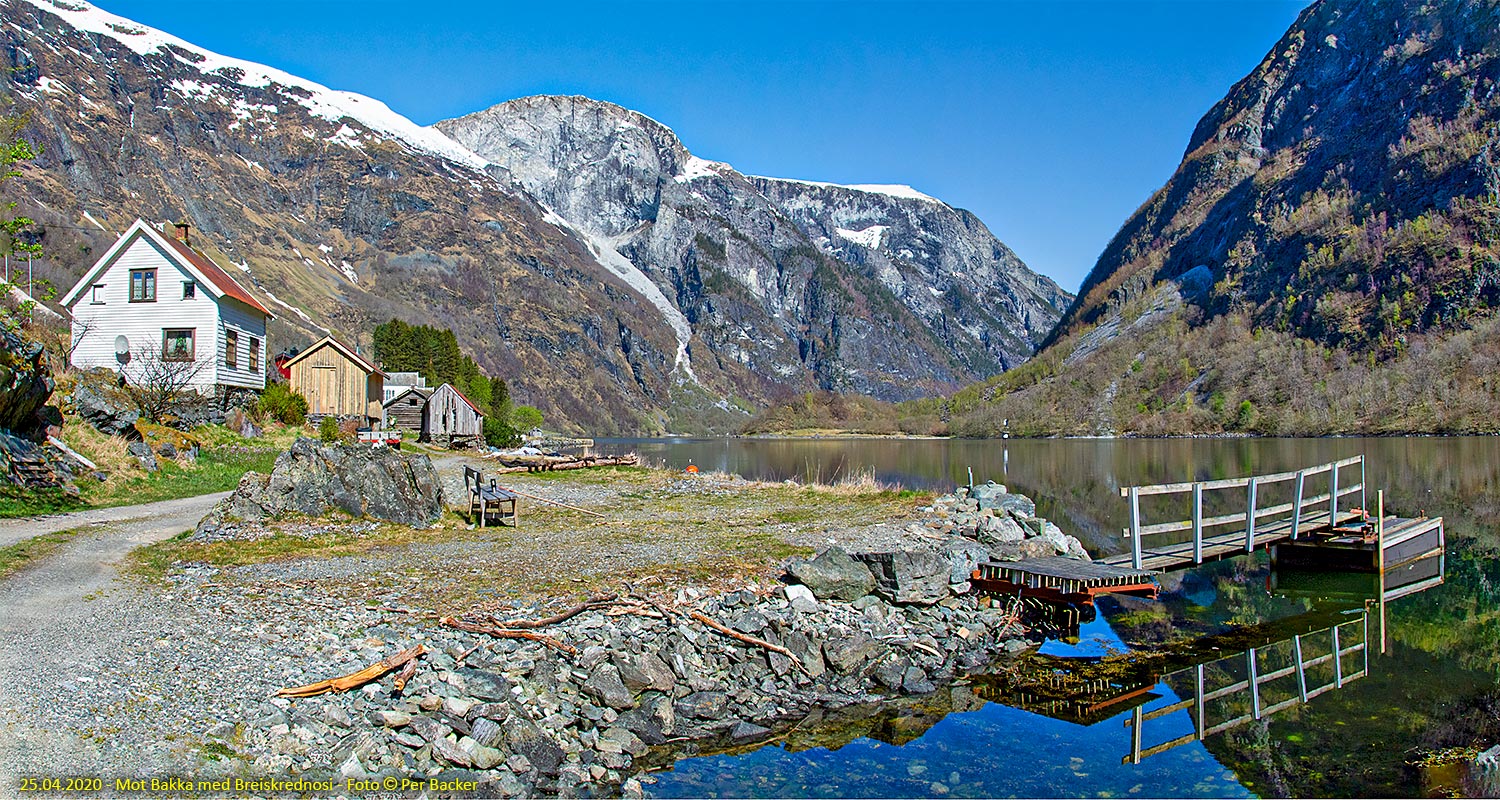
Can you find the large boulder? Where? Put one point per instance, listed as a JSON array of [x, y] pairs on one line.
[[313, 478], [833, 575], [994, 495], [910, 576], [25, 383], [98, 399]]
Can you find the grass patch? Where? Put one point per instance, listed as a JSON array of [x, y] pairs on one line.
[[216, 470], [26, 553], [657, 533], [18, 502]]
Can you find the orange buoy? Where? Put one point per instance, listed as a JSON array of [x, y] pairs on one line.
[[691, 468]]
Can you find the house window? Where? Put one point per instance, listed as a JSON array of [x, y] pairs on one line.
[[231, 349], [189, 290], [96, 295], [177, 344], [411, 401], [254, 354], [143, 286]]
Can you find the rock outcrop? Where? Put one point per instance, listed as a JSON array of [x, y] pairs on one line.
[[25, 383], [314, 479]]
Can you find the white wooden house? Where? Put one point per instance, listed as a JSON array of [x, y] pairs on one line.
[[152, 302]]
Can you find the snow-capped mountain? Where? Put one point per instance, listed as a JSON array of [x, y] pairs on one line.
[[724, 243], [621, 307]]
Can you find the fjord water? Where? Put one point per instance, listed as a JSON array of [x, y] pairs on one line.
[[1432, 683]]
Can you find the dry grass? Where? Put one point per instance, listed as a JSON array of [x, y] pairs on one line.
[[660, 528]]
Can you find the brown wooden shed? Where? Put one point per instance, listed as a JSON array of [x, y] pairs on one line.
[[452, 419], [407, 409], [337, 381]]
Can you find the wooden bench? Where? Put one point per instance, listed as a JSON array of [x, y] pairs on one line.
[[487, 498]]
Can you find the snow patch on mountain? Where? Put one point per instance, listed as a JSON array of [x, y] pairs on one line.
[[898, 190], [868, 237], [329, 104], [700, 168], [621, 267]]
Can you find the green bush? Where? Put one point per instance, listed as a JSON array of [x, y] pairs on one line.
[[282, 404], [328, 430], [498, 433]]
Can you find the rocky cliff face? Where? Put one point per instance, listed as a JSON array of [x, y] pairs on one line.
[[616, 281], [877, 290], [1344, 190], [1326, 258]]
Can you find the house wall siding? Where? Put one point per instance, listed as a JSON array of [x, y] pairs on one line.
[[448, 415], [95, 326]]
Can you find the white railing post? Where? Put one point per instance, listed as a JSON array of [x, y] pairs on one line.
[[1135, 527], [1250, 519], [1254, 684], [1297, 505], [1197, 523], [1338, 660], [1199, 704], [1362, 483], [1301, 670], [1333, 495]]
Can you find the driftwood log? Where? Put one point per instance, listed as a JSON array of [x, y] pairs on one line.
[[506, 633], [405, 658]]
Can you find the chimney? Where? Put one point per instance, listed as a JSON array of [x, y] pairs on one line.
[[182, 232]]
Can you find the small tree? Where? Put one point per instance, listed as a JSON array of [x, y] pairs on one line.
[[526, 418], [159, 386], [499, 433]]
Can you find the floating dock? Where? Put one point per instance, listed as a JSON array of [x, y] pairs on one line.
[[1310, 530]]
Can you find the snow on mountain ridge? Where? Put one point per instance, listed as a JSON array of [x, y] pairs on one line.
[[330, 104], [897, 190]]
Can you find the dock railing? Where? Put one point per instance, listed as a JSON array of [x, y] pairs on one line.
[[1346, 662], [1300, 508]]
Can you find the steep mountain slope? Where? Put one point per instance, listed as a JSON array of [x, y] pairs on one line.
[[908, 296], [1323, 258], [342, 214]]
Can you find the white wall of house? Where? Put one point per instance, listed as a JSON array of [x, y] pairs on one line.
[[103, 311]]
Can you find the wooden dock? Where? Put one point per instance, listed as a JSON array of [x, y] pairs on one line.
[[1063, 580], [1309, 529]]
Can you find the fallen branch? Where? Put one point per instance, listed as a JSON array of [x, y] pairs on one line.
[[506, 633], [597, 601], [747, 639], [407, 672], [357, 679]]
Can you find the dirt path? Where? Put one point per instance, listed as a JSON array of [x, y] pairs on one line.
[[14, 530], [62, 620]]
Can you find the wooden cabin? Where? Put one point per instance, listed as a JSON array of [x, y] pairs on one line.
[[407, 409], [452, 419], [337, 382]]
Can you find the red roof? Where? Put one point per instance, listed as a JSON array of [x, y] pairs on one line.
[[215, 275]]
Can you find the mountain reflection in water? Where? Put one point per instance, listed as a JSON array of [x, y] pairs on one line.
[[1433, 679]]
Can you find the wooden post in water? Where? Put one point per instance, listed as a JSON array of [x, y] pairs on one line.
[[1250, 519], [1297, 505], [1301, 670], [1199, 703], [1135, 528], [1197, 523], [1254, 683], [1362, 483], [1380, 535], [1333, 495], [1338, 660]]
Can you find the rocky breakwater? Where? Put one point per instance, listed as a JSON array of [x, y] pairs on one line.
[[626, 684], [314, 479]]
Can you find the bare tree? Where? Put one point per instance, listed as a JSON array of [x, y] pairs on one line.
[[160, 385]]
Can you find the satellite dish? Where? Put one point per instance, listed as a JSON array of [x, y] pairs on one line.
[[122, 349]]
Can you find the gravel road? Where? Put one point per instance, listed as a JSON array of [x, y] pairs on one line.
[[14, 530]]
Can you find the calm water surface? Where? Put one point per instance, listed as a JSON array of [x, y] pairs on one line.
[[1431, 681]]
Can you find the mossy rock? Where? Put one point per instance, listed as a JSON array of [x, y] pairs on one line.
[[158, 435]]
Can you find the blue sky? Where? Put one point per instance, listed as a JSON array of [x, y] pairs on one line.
[[1052, 121]]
